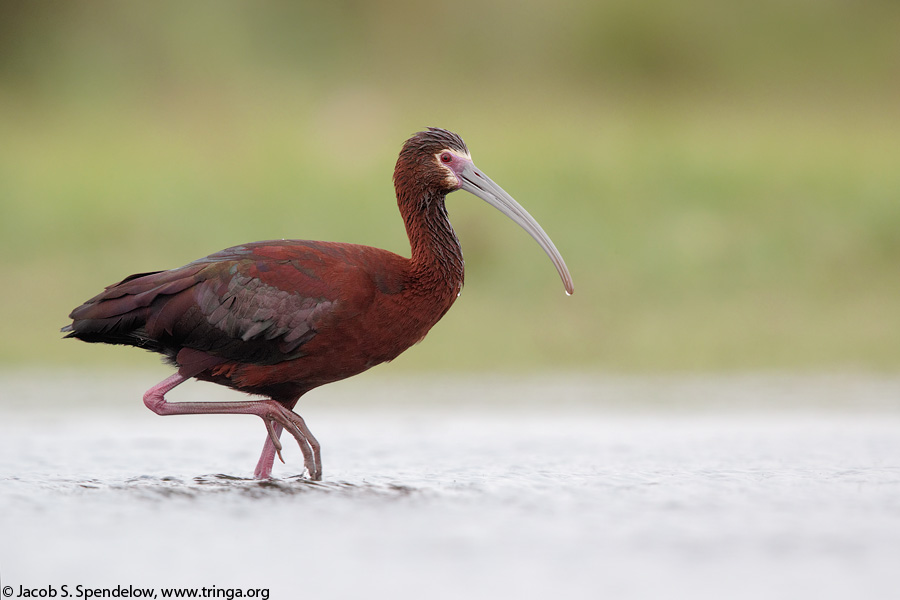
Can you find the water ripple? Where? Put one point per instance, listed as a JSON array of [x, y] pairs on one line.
[[149, 487], [222, 484]]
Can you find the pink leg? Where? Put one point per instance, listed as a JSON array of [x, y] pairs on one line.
[[267, 458], [273, 414]]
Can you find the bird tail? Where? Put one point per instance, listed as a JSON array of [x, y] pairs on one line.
[[121, 313]]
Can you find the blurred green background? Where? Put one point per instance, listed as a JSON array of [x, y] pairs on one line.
[[722, 178]]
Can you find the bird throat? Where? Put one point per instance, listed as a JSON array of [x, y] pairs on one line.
[[437, 260]]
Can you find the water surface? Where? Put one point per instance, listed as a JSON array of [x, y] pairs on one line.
[[638, 488]]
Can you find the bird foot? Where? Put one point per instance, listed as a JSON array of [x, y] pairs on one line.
[[277, 413], [274, 414]]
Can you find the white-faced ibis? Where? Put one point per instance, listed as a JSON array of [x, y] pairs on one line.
[[277, 319]]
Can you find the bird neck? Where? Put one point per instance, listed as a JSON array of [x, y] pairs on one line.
[[437, 260]]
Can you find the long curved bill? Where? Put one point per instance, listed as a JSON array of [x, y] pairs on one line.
[[475, 182]]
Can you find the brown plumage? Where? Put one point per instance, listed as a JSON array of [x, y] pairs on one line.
[[279, 318]]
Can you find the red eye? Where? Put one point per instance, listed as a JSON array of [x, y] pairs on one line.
[[446, 157]]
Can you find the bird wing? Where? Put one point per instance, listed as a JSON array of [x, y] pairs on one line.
[[258, 303]]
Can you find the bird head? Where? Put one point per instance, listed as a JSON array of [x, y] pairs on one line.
[[436, 162]]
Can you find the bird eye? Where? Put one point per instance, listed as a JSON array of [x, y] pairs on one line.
[[446, 157]]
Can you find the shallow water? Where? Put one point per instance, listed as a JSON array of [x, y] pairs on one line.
[[748, 488]]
